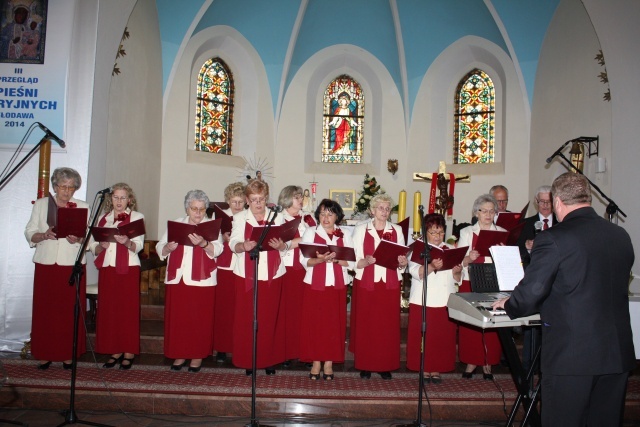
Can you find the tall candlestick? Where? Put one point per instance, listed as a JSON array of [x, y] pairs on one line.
[[417, 197], [402, 205]]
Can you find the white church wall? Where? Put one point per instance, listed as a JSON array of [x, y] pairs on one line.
[[432, 126], [299, 140], [183, 168], [135, 107], [568, 102]]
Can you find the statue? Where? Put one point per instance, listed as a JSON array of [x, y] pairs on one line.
[[444, 202]]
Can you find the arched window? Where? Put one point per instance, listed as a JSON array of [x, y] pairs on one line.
[[475, 119], [343, 121], [214, 107]]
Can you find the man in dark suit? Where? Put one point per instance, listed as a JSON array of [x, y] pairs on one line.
[[578, 281], [545, 219]]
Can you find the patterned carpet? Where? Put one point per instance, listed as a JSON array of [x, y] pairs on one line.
[[234, 382]]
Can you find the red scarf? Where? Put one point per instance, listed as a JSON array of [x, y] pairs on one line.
[[296, 252], [202, 267], [310, 221], [273, 261], [122, 253], [367, 280], [320, 270]]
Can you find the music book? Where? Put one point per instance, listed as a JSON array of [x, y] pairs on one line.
[[508, 220], [227, 220], [52, 212], [488, 238], [221, 205], [179, 231], [71, 222], [107, 234], [450, 257], [404, 225], [286, 232], [387, 253], [514, 234], [508, 266], [343, 253]]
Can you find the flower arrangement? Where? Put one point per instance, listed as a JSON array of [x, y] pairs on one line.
[[370, 188]]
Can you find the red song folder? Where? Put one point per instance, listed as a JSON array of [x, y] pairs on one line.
[[404, 226], [450, 257], [343, 253], [387, 253], [488, 238], [179, 231], [107, 234], [218, 211], [71, 222], [286, 232]]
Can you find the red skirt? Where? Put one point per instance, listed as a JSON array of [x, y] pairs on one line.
[[188, 321], [440, 348], [118, 317], [291, 311], [472, 342], [53, 311], [376, 333], [323, 324], [224, 311], [270, 338]]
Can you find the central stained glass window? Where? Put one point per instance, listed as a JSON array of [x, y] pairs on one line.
[[343, 121]]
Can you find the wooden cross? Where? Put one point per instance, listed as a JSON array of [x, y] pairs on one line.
[[444, 202]]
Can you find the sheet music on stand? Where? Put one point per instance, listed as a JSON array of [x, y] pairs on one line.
[[508, 266]]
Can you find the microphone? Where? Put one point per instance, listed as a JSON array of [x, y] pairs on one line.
[[51, 135], [421, 209], [275, 208], [538, 227], [559, 150], [107, 190]]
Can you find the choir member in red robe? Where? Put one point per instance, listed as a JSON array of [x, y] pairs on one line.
[[118, 320]]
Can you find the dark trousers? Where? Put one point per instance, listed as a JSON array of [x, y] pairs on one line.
[[583, 400]]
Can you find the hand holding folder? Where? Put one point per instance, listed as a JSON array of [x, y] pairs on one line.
[[488, 238], [71, 222], [107, 234], [387, 253], [179, 231], [450, 257], [311, 250]]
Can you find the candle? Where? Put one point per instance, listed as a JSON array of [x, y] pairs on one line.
[[402, 205], [416, 212]]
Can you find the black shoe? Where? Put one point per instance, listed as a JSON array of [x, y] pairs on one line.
[[327, 376], [386, 375], [286, 364], [175, 367], [221, 357], [67, 366], [308, 365], [112, 361], [44, 366], [436, 379], [365, 374], [195, 368], [248, 372], [128, 365], [427, 379], [488, 376], [467, 375], [270, 371], [313, 376]]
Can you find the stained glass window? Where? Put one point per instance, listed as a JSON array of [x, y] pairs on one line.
[[343, 121], [475, 117], [214, 108]]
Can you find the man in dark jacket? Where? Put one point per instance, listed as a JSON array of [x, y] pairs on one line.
[[578, 281]]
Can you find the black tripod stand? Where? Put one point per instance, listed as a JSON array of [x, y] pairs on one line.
[[76, 275], [426, 259], [255, 257]]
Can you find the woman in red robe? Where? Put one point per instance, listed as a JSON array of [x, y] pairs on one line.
[[118, 320]]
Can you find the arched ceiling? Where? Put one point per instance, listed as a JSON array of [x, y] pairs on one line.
[[404, 35]]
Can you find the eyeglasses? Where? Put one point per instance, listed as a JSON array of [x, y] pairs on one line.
[[381, 209], [298, 197], [119, 199], [502, 202], [197, 210], [237, 202], [257, 200], [435, 233], [66, 187], [487, 211], [543, 202]]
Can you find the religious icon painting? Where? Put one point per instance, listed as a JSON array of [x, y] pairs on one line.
[[343, 121], [22, 31]]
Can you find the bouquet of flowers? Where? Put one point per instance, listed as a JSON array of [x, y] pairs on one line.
[[370, 188]]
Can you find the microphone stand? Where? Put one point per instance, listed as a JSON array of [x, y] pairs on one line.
[[10, 174], [255, 256], [74, 279], [612, 207], [426, 260]]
